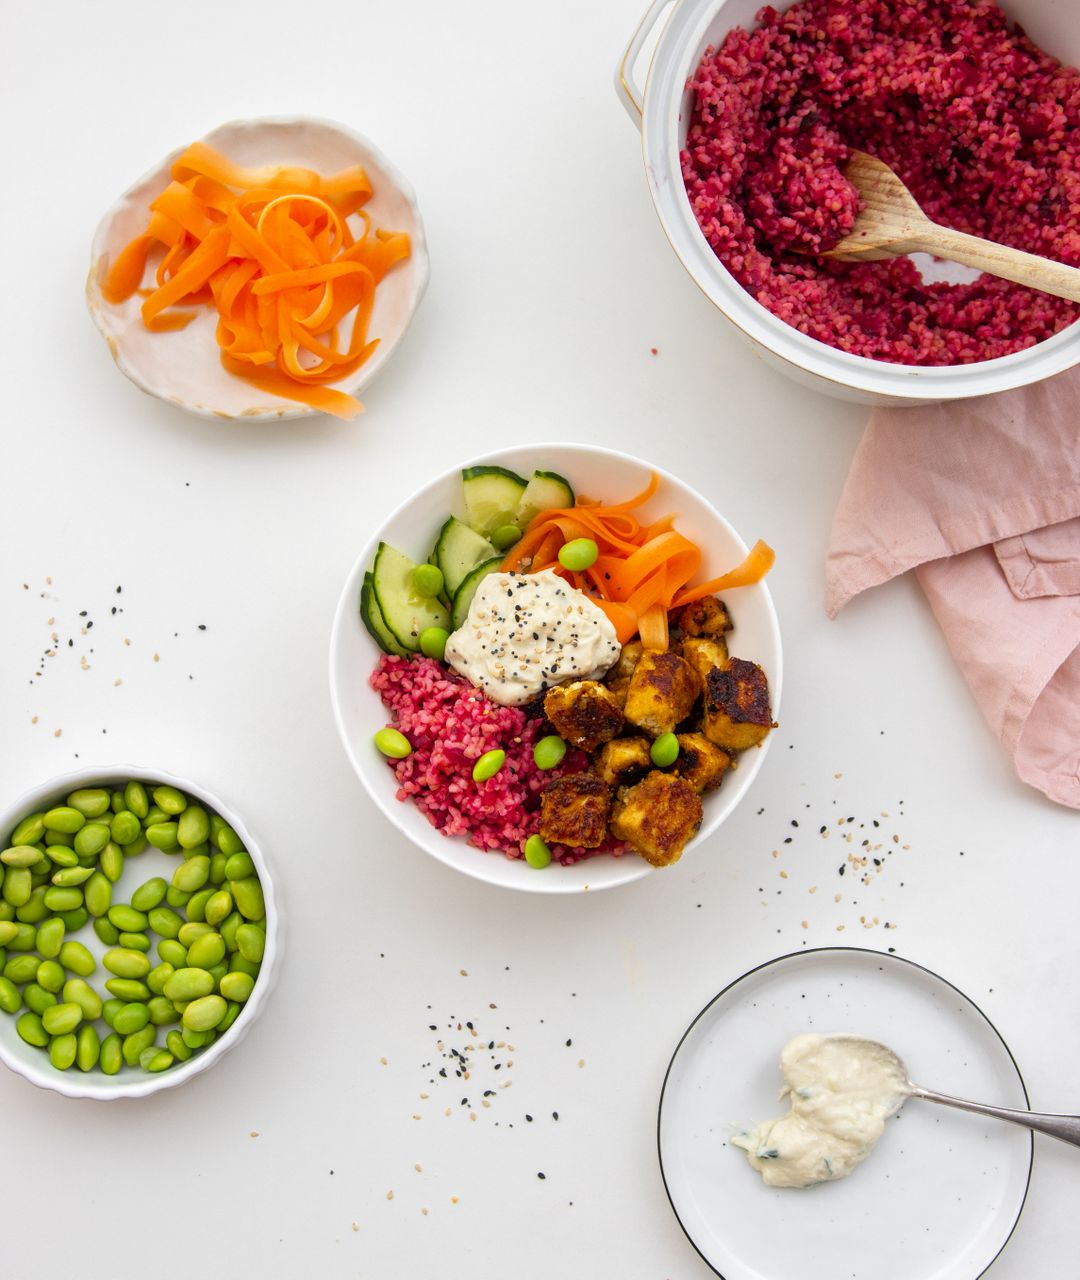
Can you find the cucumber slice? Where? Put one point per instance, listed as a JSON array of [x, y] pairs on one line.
[[492, 495], [371, 616], [543, 492], [463, 597], [404, 613], [458, 552]]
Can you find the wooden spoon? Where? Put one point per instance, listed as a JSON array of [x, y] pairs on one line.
[[891, 223]]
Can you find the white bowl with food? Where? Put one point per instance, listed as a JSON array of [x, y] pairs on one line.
[[540, 746], [675, 37], [94, 960], [184, 366]]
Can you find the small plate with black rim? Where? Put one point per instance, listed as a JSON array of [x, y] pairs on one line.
[[939, 1197]]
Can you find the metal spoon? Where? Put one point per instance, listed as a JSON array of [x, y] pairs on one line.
[[891, 223], [1065, 1128]]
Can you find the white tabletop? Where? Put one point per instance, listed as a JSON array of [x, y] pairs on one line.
[[551, 282]]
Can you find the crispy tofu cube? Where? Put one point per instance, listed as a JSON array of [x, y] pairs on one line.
[[708, 618], [628, 660], [662, 693], [624, 761], [584, 712], [737, 713], [657, 817], [619, 689], [574, 810], [703, 654], [701, 763]]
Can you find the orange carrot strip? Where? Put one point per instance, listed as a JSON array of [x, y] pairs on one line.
[[756, 565], [653, 628], [126, 272]]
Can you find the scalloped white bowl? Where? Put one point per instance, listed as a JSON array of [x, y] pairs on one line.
[[184, 367], [33, 1064], [359, 711]]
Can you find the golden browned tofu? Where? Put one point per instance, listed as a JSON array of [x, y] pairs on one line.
[[624, 761], [657, 817], [663, 690], [704, 654], [701, 763], [737, 713], [628, 660], [708, 617], [619, 689], [574, 810], [584, 712]]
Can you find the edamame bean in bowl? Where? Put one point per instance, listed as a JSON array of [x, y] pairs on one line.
[[138, 932]]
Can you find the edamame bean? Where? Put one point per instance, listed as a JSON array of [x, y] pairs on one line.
[[537, 853], [60, 856], [163, 836], [155, 1060], [74, 920], [176, 898], [131, 1018], [22, 968], [218, 863], [107, 931], [150, 895], [17, 886], [7, 911], [170, 800], [116, 803], [111, 1058], [30, 830], [218, 906], [139, 845], [164, 921], [239, 867], [50, 975], [97, 895], [218, 971], [91, 839], [126, 962], [134, 941], [191, 875], [197, 1039], [205, 1013], [111, 862], [60, 899], [433, 642], [174, 1042], [236, 986], [124, 827], [248, 896], [127, 989], [488, 765], [232, 1012], [69, 877], [137, 1042], [225, 837], [64, 819], [87, 1048], [21, 855], [37, 999], [505, 536], [136, 799], [427, 580], [578, 554], [59, 1019], [172, 952], [189, 984], [10, 999], [193, 827], [154, 815], [62, 1051], [196, 908], [62, 838], [91, 802], [664, 750], [191, 930], [76, 991], [161, 1011], [8, 931], [549, 752], [75, 957], [50, 938], [111, 1008], [158, 976], [127, 919], [23, 939], [207, 951], [393, 743], [33, 910], [251, 941], [30, 1029], [229, 927]]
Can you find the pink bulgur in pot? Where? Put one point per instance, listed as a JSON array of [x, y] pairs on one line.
[[982, 126]]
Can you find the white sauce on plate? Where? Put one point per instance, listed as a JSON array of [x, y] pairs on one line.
[[842, 1090], [528, 631]]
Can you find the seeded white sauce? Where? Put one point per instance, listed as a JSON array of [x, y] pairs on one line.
[[842, 1090], [528, 631]]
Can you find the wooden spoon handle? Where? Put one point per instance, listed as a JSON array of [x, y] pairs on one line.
[[999, 260]]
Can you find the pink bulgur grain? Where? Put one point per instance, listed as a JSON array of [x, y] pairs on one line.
[[450, 724], [981, 124]]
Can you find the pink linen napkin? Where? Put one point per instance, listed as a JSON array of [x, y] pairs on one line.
[[982, 499]]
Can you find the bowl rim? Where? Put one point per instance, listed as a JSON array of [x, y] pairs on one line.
[[80, 1085], [670, 68], [441, 846], [418, 257]]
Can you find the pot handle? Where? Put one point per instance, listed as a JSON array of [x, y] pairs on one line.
[[628, 92]]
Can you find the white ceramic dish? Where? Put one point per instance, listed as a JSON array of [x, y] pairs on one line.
[[662, 110], [938, 1198], [34, 1063], [359, 711], [184, 367]]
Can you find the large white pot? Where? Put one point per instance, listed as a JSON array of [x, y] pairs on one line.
[[662, 109]]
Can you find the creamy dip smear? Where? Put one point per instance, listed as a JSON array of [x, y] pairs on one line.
[[528, 631], [842, 1090]]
